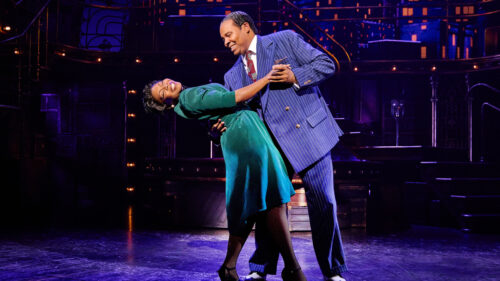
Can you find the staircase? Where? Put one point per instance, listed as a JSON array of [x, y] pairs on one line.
[[457, 194]]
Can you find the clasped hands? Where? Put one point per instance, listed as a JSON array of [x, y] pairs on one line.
[[280, 73]]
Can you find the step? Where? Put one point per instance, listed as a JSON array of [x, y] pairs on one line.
[[433, 169], [466, 186], [489, 223], [476, 203]]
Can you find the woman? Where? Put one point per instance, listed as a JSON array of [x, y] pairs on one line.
[[257, 184]]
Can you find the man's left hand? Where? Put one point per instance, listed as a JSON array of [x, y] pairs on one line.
[[283, 74]]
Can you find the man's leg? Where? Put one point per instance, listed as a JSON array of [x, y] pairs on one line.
[[318, 182]]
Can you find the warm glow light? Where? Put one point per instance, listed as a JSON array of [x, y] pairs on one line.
[[356, 68], [130, 164], [7, 28], [394, 68], [131, 115], [476, 66], [176, 60], [130, 188], [16, 51], [99, 59], [132, 91], [433, 68], [138, 60], [216, 59], [131, 140]]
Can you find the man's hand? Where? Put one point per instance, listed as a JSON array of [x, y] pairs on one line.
[[216, 131], [282, 73]]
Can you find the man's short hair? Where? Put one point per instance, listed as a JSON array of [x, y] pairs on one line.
[[239, 18]]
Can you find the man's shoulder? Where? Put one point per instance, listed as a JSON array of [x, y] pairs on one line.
[[235, 66], [280, 35]]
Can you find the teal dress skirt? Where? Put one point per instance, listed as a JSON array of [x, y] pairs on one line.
[[256, 176]]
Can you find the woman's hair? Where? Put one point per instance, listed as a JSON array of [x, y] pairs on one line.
[[239, 18], [150, 104]]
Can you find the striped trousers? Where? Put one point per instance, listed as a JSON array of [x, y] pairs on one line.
[[322, 207]]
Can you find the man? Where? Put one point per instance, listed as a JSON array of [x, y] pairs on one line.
[[304, 129]]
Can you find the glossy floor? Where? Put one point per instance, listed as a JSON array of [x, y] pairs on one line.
[[421, 253]]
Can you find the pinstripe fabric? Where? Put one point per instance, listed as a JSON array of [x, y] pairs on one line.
[[305, 131]]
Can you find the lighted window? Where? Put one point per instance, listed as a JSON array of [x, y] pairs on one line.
[[423, 52], [471, 40], [317, 13], [182, 12], [453, 39], [424, 11], [458, 52], [423, 27], [443, 52], [414, 37], [466, 53], [468, 10], [329, 2], [410, 11], [457, 10], [405, 12]]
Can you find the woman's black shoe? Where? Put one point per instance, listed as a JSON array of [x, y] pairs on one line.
[[228, 274], [292, 274]]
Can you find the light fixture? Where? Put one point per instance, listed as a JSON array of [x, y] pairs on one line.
[[7, 28], [130, 188], [355, 69], [131, 140], [132, 91], [138, 60], [216, 59], [130, 164], [394, 68], [433, 68], [131, 115], [475, 66], [99, 59], [176, 60], [16, 51]]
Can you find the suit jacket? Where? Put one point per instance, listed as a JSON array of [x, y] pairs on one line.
[[299, 119]]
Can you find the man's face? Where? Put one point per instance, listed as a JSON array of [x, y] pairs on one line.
[[236, 38]]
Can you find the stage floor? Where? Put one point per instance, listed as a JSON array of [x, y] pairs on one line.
[[422, 253]]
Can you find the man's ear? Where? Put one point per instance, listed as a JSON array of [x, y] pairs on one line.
[[246, 27]]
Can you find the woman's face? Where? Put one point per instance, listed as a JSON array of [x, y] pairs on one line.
[[166, 90]]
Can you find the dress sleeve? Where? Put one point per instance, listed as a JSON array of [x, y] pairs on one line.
[[210, 101]]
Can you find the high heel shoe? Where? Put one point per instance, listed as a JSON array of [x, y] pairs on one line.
[[228, 274], [292, 274]]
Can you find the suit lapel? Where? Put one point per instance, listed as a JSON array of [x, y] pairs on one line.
[[265, 55]]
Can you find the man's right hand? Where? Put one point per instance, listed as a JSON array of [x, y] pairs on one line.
[[216, 131]]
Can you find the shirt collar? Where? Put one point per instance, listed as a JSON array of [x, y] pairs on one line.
[[252, 48]]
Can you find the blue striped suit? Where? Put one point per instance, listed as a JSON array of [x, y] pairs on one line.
[[305, 131]]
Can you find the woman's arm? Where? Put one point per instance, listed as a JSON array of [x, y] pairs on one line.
[[249, 91]]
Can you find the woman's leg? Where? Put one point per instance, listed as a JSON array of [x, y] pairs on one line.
[[234, 246], [278, 226]]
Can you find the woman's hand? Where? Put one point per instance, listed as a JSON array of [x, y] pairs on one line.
[[282, 73]]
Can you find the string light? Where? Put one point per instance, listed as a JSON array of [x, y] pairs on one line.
[[132, 91], [130, 188], [130, 164], [131, 140], [131, 115]]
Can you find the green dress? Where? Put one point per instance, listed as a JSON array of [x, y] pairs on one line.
[[256, 176]]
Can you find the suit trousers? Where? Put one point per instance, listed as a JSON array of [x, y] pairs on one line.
[[322, 207]]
